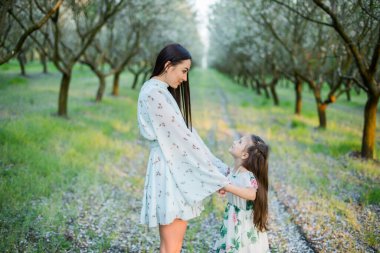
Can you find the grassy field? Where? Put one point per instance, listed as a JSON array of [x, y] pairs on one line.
[[76, 184], [45, 160]]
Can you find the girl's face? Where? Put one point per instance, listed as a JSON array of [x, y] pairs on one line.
[[177, 74], [239, 147]]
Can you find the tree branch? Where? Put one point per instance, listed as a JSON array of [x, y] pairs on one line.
[[355, 81], [367, 12], [362, 66], [375, 56], [302, 15], [33, 28]]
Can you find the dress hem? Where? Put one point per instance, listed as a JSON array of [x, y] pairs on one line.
[[191, 214]]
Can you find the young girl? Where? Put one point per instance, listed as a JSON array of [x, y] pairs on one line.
[[246, 214]]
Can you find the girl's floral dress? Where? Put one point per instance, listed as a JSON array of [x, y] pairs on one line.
[[238, 233]]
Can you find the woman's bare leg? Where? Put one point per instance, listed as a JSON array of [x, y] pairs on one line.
[[172, 235]]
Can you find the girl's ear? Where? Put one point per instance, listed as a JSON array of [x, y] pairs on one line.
[[244, 155]]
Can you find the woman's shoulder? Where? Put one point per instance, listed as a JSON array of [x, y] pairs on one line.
[[153, 86], [156, 83]]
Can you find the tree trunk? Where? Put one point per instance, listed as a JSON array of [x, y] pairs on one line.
[[348, 92], [135, 80], [258, 88], [298, 89], [115, 87], [44, 63], [369, 129], [266, 92], [322, 115], [21, 61], [145, 77], [348, 95], [321, 107], [101, 88], [63, 93], [274, 95]]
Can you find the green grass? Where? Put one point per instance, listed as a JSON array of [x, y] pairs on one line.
[[372, 196], [44, 156]]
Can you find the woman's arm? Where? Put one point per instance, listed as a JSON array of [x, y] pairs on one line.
[[248, 193], [222, 167], [192, 171]]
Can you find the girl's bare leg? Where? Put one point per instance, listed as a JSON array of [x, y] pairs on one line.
[[172, 235]]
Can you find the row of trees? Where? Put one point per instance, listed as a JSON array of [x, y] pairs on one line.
[[108, 36], [333, 45]]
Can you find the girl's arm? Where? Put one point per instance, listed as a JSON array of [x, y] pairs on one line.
[[248, 193]]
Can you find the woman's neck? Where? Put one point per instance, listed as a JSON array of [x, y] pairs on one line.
[[161, 78]]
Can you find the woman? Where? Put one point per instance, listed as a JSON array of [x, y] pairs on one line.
[[181, 170]]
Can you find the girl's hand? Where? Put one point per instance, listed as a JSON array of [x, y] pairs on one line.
[[222, 192]]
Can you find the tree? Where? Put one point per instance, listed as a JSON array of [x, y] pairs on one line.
[[113, 47], [357, 23], [13, 31], [70, 33]]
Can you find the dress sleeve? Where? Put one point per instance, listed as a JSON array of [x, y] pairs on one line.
[[195, 175], [222, 167], [250, 181]]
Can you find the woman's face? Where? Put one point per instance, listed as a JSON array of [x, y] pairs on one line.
[[177, 74]]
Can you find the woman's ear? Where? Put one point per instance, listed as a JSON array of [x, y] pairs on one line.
[[244, 155], [167, 65]]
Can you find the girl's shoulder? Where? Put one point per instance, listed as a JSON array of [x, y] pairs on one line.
[[249, 178], [246, 173]]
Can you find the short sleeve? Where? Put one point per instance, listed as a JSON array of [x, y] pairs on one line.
[[250, 180], [194, 173]]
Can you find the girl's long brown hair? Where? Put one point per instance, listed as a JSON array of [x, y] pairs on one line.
[[257, 163], [175, 53]]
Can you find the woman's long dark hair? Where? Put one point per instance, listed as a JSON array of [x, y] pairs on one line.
[[175, 54], [257, 163]]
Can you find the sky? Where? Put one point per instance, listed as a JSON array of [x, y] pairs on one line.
[[202, 7]]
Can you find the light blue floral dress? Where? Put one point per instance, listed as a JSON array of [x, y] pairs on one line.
[[238, 233], [181, 170]]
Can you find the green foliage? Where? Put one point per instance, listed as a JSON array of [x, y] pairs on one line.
[[17, 80], [245, 104], [295, 123], [371, 196]]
